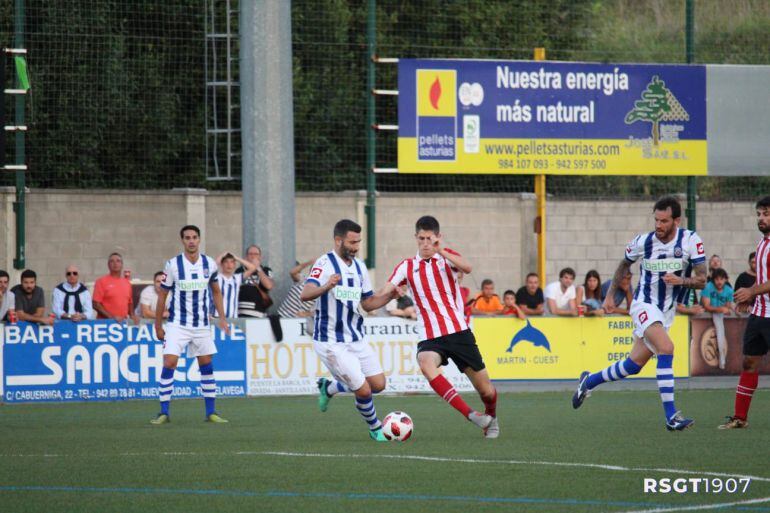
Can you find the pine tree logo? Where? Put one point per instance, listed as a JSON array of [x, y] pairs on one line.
[[657, 104]]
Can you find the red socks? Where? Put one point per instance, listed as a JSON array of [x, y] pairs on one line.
[[746, 386], [446, 391], [491, 405]]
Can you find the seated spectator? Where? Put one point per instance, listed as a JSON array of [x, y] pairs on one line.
[[560, 295], [30, 299], [487, 302], [230, 281], [254, 297], [715, 262], [509, 305], [148, 299], [688, 306], [747, 279], [112, 293], [717, 299], [717, 296], [624, 292], [7, 302], [589, 294], [71, 299], [403, 306], [292, 305], [529, 298]]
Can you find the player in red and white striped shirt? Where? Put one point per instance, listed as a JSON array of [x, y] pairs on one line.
[[432, 278], [756, 338]]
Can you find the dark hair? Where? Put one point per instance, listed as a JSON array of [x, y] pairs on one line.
[[113, 254], [4, 274], [719, 273], [567, 270], [427, 223], [597, 293], [344, 226], [28, 273], [751, 255], [159, 273], [532, 274], [764, 202], [189, 227], [509, 292], [228, 256], [485, 282], [669, 202]]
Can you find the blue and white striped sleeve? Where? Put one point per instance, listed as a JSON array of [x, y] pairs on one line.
[[319, 273], [635, 249], [695, 249], [168, 275]]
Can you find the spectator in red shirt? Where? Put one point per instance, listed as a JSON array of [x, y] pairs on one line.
[[112, 293], [509, 305]]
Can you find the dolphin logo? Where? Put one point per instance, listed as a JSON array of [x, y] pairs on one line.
[[530, 334]]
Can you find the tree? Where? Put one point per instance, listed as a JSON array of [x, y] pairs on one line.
[[652, 107]]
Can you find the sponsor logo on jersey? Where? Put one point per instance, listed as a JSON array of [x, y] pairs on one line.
[[664, 265], [643, 317], [192, 285], [699, 247], [315, 272], [678, 252], [347, 293]]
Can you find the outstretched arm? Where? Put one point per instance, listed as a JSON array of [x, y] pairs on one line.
[[380, 298]]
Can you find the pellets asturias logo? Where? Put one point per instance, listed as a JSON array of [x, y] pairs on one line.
[[657, 105], [530, 334], [436, 114]]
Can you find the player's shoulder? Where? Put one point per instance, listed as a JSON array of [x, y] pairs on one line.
[[360, 264]]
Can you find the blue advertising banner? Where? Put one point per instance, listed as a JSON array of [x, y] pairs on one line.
[[106, 361], [525, 117]]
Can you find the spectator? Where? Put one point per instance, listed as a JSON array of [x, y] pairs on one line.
[[487, 302], [30, 299], [71, 299], [7, 302], [747, 278], [148, 299], [624, 292], [717, 299], [403, 306], [292, 305], [254, 297], [560, 295], [112, 293], [715, 262], [688, 306], [509, 305], [589, 294], [230, 281], [465, 294], [529, 298]]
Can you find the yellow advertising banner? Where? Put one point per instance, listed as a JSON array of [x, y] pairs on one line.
[[559, 348]]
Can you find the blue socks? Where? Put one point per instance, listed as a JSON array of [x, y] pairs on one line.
[[209, 387], [614, 372], [365, 407], [665, 375], [165, 388]]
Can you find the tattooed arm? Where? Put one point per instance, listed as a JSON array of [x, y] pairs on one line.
[[696, 281]]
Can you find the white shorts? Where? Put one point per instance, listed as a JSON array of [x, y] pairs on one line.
[[349, 362], [645, 315], [197, 341]]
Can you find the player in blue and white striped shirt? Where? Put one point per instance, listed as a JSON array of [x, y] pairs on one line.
[[191, 279], [670, 255], [230, 282], [339, 282]]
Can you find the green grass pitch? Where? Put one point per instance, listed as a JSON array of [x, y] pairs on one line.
[[283, 455]]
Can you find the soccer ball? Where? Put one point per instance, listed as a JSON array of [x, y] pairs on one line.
[[397, 426]]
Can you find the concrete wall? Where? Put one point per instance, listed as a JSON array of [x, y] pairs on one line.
[[495, 231]]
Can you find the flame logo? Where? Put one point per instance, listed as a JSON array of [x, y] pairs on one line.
[[435, 93]]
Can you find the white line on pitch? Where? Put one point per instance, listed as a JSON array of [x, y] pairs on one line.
[[702, 506]]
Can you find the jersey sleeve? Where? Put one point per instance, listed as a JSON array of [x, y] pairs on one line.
[[168, 276], [366, 283], [319, 273], [635, 249], [695, 249], [455, 253], [398, 277]]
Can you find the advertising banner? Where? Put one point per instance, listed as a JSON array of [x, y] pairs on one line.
[[704, 350], [525, 117], [559, 348], [292, 366], [106, 361]]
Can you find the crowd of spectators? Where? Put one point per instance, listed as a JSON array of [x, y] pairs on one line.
[[246, 285]]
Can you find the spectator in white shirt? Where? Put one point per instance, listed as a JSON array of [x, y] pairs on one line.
[[6, 296], [560, 295], [148, 299], [71, 299]]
